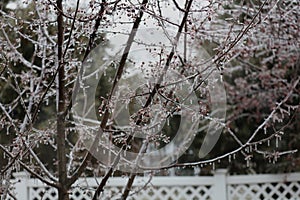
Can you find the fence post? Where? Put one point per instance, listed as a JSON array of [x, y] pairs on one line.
[[219, 190], [21, 190]]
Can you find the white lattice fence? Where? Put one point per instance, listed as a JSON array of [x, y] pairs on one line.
[[217, 187], [169, 188], [282, 186]]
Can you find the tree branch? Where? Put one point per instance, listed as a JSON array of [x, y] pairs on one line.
[[25, 166], [154, 91], [246, 144], [115, 82]]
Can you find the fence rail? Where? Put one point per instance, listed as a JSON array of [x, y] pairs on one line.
[[220, 186]]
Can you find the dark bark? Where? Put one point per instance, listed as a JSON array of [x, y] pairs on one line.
[[60, 137]]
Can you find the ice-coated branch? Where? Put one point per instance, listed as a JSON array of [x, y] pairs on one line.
[[242, 145]]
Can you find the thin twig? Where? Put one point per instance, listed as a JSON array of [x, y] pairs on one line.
[[27, 168]]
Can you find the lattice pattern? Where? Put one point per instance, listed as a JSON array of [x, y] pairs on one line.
[[45, 193], [82, 193], [156, 193], [174, 193], [112, 193], [254, 187], [265, 191]]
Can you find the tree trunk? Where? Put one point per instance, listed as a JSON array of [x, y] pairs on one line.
[[60, 137]]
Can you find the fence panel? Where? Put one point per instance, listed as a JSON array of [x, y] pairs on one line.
[[279, 186], [216, 187]]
